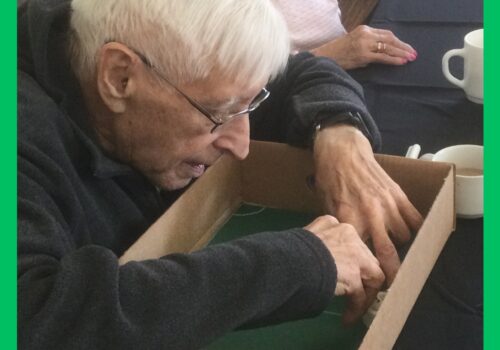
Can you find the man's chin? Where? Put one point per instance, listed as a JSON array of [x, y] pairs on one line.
[[172, 184]]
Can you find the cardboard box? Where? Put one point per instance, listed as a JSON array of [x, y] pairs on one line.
[[274, 175]]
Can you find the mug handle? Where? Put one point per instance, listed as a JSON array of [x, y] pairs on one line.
[[446, 66]]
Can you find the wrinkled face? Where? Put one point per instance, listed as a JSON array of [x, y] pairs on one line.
[[168, 140]]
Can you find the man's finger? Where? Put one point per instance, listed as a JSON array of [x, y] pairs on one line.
[[385, 251], [372, 279], [398, 227], [321, 223], [412, 216], [356, 304]]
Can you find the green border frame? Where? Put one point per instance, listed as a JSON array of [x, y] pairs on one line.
[[9, 189], [8, 96], [491, 140]]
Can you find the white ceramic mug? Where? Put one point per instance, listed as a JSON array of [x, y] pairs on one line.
[[468, 160], [472, 53]]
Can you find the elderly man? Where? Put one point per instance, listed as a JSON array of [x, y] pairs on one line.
[[122, 103]]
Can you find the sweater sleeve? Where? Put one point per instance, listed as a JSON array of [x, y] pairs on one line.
[[76, 298], [311, 89], [75, 295]]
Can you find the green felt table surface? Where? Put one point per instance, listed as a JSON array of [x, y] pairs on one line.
[[322, 332]]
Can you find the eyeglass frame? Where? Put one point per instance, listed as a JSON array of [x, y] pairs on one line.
[[217, 121]]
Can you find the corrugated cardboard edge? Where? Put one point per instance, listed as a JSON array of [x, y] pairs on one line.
[[414, 271], [180, 230]]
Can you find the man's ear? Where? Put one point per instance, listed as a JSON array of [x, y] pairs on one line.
[[116, 75]]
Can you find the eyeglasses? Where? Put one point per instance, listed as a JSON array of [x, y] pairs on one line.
[[217, 120]]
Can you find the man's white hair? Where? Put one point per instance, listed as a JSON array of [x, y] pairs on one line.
[[185, 39]]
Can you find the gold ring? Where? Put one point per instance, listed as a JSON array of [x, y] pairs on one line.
[[380, 47]]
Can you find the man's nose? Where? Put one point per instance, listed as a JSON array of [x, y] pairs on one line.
[[234, 137]]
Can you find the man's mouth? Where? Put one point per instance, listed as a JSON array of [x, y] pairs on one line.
[[197, 169]]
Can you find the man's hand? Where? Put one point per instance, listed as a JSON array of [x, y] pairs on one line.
[[359, 192], [359, 276]]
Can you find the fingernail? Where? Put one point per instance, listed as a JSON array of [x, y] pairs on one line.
[[411, 57]]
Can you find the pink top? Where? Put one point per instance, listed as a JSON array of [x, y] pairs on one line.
[[311, 23]]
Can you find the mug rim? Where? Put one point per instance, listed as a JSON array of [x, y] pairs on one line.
[[461, 146], [469, 38]]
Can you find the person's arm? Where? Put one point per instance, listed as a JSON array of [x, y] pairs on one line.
[[311, 90], [354, 187], [75, 295]]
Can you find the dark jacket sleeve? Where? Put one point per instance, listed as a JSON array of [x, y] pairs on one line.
[[80, 298], [73, 294], [311, 89]]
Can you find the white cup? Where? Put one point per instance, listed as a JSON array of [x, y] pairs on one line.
[[472, 53], [468, 160]]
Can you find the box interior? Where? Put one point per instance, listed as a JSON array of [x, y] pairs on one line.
[[276, 175]]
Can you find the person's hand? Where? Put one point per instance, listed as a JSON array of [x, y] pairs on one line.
[[359, 192], [365, 45], [359, 276]]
